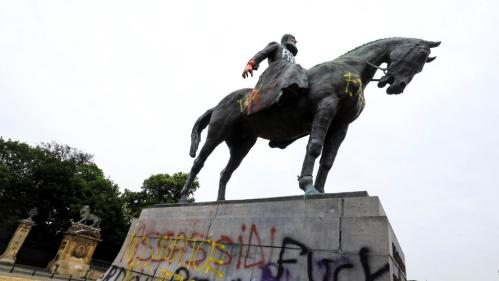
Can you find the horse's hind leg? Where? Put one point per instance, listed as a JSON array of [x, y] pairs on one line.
[[206, 150], [335, 136], [239, 148]]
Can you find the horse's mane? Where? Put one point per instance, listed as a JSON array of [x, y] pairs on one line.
[[356, 49]]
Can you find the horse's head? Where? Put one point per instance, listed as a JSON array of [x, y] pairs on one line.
[[406, 61]]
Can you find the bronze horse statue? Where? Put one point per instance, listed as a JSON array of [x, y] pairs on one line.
[[335, 98]]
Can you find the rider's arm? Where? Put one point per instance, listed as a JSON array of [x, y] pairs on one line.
[[265, 53], [254, 62]]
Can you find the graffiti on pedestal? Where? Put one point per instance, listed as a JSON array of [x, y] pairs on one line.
[[254, 254]]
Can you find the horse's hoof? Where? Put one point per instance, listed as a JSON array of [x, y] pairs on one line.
[[311, 190]]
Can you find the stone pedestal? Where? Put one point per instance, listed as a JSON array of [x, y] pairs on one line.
[[340, 237], [76, 251], [17, 240]]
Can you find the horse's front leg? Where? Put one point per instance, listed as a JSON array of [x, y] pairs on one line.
[[335, 136], [326, 110]]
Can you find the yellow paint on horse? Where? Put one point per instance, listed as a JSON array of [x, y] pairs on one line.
[[352, 80]]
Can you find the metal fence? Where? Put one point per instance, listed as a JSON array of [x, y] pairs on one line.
[[99, 265]]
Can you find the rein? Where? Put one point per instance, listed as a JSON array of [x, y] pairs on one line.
[[385, 70], [375, 66]]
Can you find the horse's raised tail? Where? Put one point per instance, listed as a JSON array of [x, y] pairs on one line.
[[199, 126]]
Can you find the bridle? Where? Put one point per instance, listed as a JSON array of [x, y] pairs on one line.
[[386, 70]]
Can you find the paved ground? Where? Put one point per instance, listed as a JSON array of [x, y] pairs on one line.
[[30, 273], [9, 278]]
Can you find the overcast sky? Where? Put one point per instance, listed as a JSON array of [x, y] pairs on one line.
[[125, 81]]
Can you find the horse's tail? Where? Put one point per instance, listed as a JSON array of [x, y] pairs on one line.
[[199, 126]]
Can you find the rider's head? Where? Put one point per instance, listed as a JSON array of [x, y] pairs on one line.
[[289, 41]]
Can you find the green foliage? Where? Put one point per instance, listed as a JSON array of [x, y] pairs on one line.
[[157, 189], [59, 181]]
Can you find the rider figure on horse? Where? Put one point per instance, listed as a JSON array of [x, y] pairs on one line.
[[281, 79]]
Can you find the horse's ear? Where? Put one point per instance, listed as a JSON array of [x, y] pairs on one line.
[[432, 44], [430, 59]]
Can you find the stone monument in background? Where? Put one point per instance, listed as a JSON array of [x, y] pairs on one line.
[[17, 240], [77, 248]]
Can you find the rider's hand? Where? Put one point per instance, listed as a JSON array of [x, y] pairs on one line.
[[249, 68]]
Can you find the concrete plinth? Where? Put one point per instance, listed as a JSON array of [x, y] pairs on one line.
[[17, 240], [338, 237], [76, 251]]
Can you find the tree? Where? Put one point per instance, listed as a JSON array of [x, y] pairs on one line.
[[157, 189], [59, 181], [17, 164]]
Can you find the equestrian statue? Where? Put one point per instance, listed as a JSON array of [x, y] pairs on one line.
[[322, 105]]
